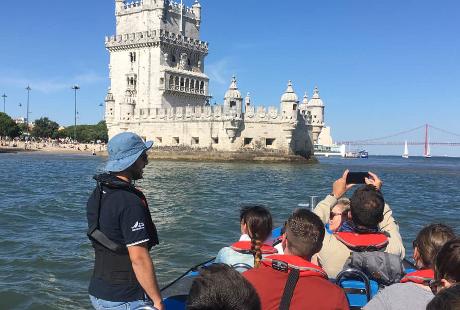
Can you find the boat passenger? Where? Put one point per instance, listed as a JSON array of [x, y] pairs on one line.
[[122, 232], [256, 226], [221, 287], [447, 299], [291, 281], [414, 290], [447, 266], [338, 215], [370, 224]]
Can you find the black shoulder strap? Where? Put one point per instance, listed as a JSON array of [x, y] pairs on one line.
[[97, 235], [289, 289]]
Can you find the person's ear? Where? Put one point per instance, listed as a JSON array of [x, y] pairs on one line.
[[284, 241], [349, 216], [445, 283], [244, 228], [416, 257]]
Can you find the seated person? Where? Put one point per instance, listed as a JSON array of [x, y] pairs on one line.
[[309, 287], [414, 291], [338, 215], [447, 266], [221, 287], [256, 227], [370, 225], [447, 299]]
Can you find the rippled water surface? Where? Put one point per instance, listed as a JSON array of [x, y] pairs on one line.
[[46, 259]]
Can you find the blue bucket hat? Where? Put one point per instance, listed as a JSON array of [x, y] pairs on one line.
[[124, 149]]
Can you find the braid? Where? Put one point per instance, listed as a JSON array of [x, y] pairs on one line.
[[256, 251]]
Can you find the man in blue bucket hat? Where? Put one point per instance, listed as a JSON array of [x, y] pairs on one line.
[[122, 232]]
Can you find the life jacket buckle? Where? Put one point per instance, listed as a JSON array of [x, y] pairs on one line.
[[280, 265]]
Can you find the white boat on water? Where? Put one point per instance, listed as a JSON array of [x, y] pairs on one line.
[[406, 151], [427, 151]]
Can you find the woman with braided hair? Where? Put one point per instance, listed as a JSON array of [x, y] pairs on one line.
[[256, 226]]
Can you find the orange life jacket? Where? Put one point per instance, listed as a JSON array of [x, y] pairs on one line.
[[286, 262], [423, 276], [363, 242], [245, 248]]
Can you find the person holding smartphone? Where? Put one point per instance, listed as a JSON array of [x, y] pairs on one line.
[[370, 224]]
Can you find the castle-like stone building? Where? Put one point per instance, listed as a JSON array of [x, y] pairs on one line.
[[159, 89]]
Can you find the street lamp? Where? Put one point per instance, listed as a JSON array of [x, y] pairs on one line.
[[4, 98], [27, 111], [103, 112], [75, 88]]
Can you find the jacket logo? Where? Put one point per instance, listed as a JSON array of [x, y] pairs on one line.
[[137, 226]]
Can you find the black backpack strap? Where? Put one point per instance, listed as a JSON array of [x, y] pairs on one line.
[[97, 235], [289, 289]]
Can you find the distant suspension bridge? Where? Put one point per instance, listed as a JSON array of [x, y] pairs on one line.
[[389, 140]]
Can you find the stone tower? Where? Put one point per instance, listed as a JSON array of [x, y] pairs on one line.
[[156, 59], [233, 100], [315, 108]]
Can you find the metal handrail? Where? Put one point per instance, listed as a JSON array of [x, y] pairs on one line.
[[355, 273]]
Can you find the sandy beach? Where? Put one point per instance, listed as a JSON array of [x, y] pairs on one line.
[[53, 148]]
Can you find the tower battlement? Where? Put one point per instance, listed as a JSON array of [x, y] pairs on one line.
[[153, 38], [257, 114]]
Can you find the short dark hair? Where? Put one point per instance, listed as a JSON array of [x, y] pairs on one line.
[[219, 286], [366, 205], [430, 240], [305, 233], [447, 299], [447, 263]]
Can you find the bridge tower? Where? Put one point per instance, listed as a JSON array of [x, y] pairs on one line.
[[156, 60]]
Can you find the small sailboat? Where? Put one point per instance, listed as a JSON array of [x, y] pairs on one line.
[[406, 151], [427, 151]]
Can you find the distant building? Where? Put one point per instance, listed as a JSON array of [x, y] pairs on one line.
[[159, 89]]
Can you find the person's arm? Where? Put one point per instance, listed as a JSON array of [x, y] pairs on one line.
[[145, 273], [323, 208], [339, 188]]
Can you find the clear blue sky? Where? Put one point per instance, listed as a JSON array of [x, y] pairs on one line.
[[381, 66]]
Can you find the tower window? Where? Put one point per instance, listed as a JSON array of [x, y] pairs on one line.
[[247, 141], [195, 140], [215, 140], [232, 104], [269, 141], [132, 57], [294, 107], [176, 140], [173, 58], [159, 139]]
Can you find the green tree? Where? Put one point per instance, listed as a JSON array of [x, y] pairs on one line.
[[7, 126], [86, 133], [45, 128]]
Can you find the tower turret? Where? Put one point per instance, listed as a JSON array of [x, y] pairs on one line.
[[247, 100], [109, 107], [289, 102], [119, 6], [196, 7], [316, 108], [233, 99]]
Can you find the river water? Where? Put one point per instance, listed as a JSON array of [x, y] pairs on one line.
[[46, 259]]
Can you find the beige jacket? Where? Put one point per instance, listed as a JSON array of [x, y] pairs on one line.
[[334, 253]]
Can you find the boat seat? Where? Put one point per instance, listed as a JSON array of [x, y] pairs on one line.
[[358, 288]]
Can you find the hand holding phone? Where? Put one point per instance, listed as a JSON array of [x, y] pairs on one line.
[[357, 177]]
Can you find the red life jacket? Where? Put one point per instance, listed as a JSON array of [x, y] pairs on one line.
[[363, 242], [245, 248], [423, 276], [286, 262]]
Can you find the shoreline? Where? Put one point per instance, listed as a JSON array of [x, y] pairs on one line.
[[162, 154]]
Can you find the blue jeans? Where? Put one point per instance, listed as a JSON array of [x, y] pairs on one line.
[[101, 304]]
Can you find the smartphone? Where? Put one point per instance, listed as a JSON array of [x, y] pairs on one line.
[[357, 177]]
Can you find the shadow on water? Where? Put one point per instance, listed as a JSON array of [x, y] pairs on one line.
[[46, 259]]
